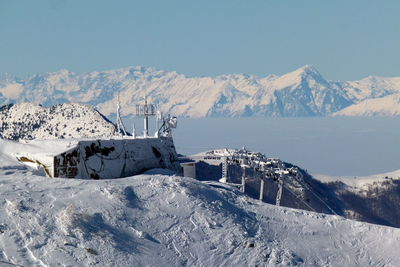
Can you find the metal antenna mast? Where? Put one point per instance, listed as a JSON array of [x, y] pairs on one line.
[[120, 125], [224, 178], [243, 188], [279, 194], [145, 111], [133, 130]]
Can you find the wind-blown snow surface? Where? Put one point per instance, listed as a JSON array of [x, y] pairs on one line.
[[70, 120], [303, 92], [153, 220]]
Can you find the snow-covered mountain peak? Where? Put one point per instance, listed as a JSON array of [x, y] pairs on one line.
[[306, 74], [6, 78], [372, 87], [62, 76], [56, 75], [140, 72], [384, 106], [71, 120], [306, 70], [302, 92], [271, 77], [62, 72]]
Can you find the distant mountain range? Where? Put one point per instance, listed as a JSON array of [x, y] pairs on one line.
[[303, 92]]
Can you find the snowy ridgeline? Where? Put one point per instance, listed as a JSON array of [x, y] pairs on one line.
[[374, 198], [303, 92], [153, 220], [32, 121]]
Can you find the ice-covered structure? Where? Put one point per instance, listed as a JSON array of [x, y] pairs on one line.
[[101, 158]]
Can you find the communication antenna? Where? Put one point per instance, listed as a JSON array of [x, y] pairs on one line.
[[120, 124], [243, 188], [279, 194], [224, 178], [145, 111], [159, 117], [168, 123], [133, 130]]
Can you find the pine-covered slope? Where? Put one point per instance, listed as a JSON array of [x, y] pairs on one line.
[[303, 92], [31, 121]]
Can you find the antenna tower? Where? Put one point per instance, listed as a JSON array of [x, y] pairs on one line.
[[120, 124], [145, 111]]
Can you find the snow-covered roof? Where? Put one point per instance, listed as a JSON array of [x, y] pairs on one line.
[[9, 150]]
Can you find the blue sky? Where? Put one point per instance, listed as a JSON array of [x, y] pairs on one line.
[[345, 40]]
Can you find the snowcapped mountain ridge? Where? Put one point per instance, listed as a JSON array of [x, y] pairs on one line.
[[383, 106], [303, 92]]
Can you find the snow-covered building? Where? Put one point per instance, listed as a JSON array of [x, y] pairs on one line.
[[99, 158]]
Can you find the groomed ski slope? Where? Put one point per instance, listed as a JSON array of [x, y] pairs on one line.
[[161, 220]]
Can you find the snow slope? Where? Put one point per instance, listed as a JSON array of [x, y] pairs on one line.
[[303, 92], [31, 121], [372, 87], [383, 106], [359, 181], [150, 220], [373, 198]]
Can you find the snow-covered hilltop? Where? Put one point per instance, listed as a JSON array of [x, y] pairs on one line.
[[373, 198], [31, 121], [153, 220], [303, 92]]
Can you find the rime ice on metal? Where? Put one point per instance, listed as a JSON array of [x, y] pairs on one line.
[[146, 110]]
